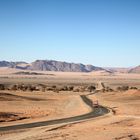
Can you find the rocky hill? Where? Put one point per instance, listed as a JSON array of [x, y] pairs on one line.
[[117, 69], [50, 65], [135, 70], [11, 64]]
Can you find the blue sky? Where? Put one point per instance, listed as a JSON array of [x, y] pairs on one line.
[[98, 32]]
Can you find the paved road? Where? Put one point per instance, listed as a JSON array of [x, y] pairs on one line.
[[95, 112]]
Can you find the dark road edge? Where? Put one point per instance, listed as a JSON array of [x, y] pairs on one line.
[[95, 112]]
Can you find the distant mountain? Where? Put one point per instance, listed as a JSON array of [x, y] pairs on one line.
[[50, 65], [11, 64], [117, 69], [135, 70], [5, 64]]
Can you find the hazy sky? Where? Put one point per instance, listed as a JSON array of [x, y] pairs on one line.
[[98, 32]]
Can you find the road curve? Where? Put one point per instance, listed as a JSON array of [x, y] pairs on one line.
[[95, 112]]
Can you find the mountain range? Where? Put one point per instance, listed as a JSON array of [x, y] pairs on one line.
[[52, 65]]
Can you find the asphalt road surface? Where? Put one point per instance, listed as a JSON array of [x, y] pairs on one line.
[[95, 112]]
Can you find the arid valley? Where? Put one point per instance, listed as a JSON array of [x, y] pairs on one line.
[[69, 69], [61, 105]]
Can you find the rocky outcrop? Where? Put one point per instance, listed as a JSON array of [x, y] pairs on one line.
[[135, 70], [11, 64], [51, 65]]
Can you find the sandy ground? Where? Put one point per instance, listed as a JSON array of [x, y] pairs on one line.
[[116, 79], [25, 107], [122, 123]]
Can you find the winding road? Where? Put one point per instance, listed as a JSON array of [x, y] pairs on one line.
[[95, 112]]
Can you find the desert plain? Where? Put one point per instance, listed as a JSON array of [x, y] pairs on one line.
[[61, 105]]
